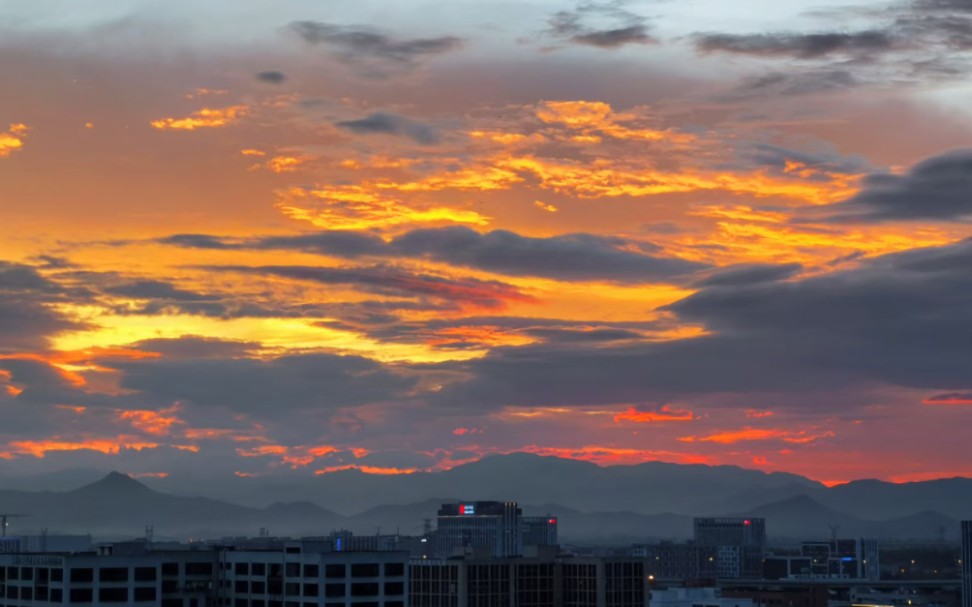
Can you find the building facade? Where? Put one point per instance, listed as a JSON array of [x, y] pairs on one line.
[[167, 579], [310, 574], [528, 582]]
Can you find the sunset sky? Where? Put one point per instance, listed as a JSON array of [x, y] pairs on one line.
[[261, 238]]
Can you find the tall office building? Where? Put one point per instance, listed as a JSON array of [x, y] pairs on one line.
[[739, 544], [538, 531], [489, 527], [966, 563]]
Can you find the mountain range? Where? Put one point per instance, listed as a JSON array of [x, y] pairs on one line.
[[593, 503]]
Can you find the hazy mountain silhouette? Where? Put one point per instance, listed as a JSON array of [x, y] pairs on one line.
[[645, 501]]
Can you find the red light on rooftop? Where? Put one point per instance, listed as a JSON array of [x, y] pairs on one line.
[[552, 521], [747, 522], [462, 509]]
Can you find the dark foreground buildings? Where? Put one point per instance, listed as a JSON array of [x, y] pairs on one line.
[[541, 581]]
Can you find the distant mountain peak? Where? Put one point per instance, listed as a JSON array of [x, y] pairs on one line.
[[115, 483]]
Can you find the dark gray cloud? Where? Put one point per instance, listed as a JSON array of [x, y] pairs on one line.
[[823, 161], [958, 6], [198, 241], [571, 257], [339, 243], [391, 124], [27, 319], [262, 387], [156, 289], [44, 385], [900, 320], [939, 188], [801, 46], [397, 282], [613, 38], [271, 77], [797, 83], [584, 336], [625, 27], [746, 274], [360, 44]]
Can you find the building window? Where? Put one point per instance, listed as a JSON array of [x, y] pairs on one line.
[[82, 595], [259, 569], [335, 571], [170, 569], [364, 589], [241, 569], [199, 569], [334, 590], [311, 590], [82, 575], [365, 570], [145, 594], [394, 569], [145, 574], [312, 570], [113, 574]]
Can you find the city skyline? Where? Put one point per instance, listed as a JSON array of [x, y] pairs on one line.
[[395, 237]]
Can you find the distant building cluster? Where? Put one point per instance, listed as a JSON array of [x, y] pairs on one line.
[[480, 554]]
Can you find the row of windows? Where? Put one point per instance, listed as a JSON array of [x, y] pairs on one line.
[[79, 595], [313, 571], [313, 590], [265, 603]]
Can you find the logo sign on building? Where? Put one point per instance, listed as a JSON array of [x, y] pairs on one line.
[[467, 509]]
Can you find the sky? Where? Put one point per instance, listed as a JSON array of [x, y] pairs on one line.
[[250, 239]]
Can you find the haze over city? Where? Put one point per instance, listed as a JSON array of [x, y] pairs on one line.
[[292, 241]]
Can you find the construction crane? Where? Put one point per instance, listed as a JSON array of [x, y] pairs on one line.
[[3, 521]]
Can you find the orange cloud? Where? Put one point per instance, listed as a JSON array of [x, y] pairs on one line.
[[366, 470], [613, 456], [545, 207], [156, 423], [284, 164], [758, 434], [664, 414], [263, 450], [202, 119], [485, 335], [758, 413], [759, 237], [109, 446], [299, 456], [12, 139], [596, 118], [603, 178], [360, 208], [220, 433], [951, 398], [150, 475]]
